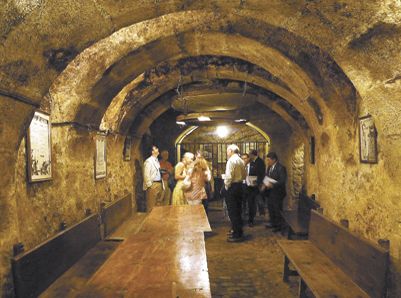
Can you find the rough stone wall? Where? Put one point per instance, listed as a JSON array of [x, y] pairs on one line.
[[368, 195], [11, 132], [296, 170], [43, 206]]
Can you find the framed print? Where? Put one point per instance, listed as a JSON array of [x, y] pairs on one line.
[[127, 149], [39, 148], [100, 158], [367, 140]]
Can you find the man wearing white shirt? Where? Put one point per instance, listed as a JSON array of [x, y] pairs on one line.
[[234, 176], [152, 180]]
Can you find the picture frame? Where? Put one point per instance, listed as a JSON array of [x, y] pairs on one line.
[[101, 156], [367, 140], [127, 149], [39, 148]]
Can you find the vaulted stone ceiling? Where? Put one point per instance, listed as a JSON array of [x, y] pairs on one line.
[[101, 64], [93, 61], [116, 65]]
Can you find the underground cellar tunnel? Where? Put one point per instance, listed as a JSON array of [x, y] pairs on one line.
[[86, 89]]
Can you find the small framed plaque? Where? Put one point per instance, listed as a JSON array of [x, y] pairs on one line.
[[367, 140], [39, 153], [127, 149], [100, 157]]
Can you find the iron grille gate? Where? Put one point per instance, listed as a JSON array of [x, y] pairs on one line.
[[216, 153]]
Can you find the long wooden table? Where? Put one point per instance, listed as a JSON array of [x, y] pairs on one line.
[[167, 258]]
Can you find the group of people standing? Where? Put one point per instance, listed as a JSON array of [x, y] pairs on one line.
[[248, 177], [190, 180]]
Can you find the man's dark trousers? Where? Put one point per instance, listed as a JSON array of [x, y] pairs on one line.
[[250, 194], [234, 206], [275, 207]]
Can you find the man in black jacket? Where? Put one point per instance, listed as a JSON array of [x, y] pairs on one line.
[[259, 171], [275, 192], [250, 188]]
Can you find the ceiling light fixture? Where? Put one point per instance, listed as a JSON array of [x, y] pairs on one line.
[[204, 118], [240, 120], [180, 122]]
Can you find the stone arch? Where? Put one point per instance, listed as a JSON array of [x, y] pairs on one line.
[[128, 103], [108, 51], [152, 111]]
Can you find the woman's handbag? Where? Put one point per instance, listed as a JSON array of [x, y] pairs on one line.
[[187, 184]]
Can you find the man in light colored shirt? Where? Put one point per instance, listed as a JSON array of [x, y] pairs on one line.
[[234, 176], [152, 180]]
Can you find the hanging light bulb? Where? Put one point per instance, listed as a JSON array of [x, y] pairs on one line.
[[222, 131]]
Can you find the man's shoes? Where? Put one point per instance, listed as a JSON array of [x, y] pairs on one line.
[[276, 229], [235, 239], [250, 224], [270, 225]]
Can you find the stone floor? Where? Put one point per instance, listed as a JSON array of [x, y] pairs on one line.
[[252, 268]]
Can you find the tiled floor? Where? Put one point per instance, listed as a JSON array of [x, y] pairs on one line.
[[252, 268]]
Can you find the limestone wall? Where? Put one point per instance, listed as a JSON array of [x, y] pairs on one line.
[[43, 206], [368, 195]]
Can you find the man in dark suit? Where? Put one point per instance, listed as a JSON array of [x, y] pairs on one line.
[[275, 192], [250, 188], [260, 170]]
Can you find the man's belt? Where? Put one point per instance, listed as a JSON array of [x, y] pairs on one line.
[[240, 182]]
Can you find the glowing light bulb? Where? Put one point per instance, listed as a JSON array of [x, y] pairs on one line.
[[222, 131]]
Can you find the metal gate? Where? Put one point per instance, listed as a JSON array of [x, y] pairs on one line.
[[216, 153]]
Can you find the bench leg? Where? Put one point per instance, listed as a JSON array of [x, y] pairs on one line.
[[290, 233], [286, 271], [302, 289]]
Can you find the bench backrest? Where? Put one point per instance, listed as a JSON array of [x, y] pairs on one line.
[[36, 269], [306, 204], [365, 262], [116, 213]]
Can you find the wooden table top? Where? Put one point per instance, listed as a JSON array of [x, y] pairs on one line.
[[179, 219], [167, 258]]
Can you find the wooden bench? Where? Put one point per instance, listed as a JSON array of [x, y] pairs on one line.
[[298, 220], [36, 269], [335, 262], [115, 213], [167, 258]]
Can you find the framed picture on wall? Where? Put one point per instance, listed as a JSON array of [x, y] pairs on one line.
[[367, 140], [39, 148], [100, 157], [127, 149]]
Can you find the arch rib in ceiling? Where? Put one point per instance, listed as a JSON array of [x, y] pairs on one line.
[[151, 112], [164, 85], [111, 49]]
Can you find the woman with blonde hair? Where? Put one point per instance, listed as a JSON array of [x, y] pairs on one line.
[[198, 176], [180, 171]]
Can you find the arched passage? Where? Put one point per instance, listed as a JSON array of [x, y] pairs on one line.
[[311, 49]]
